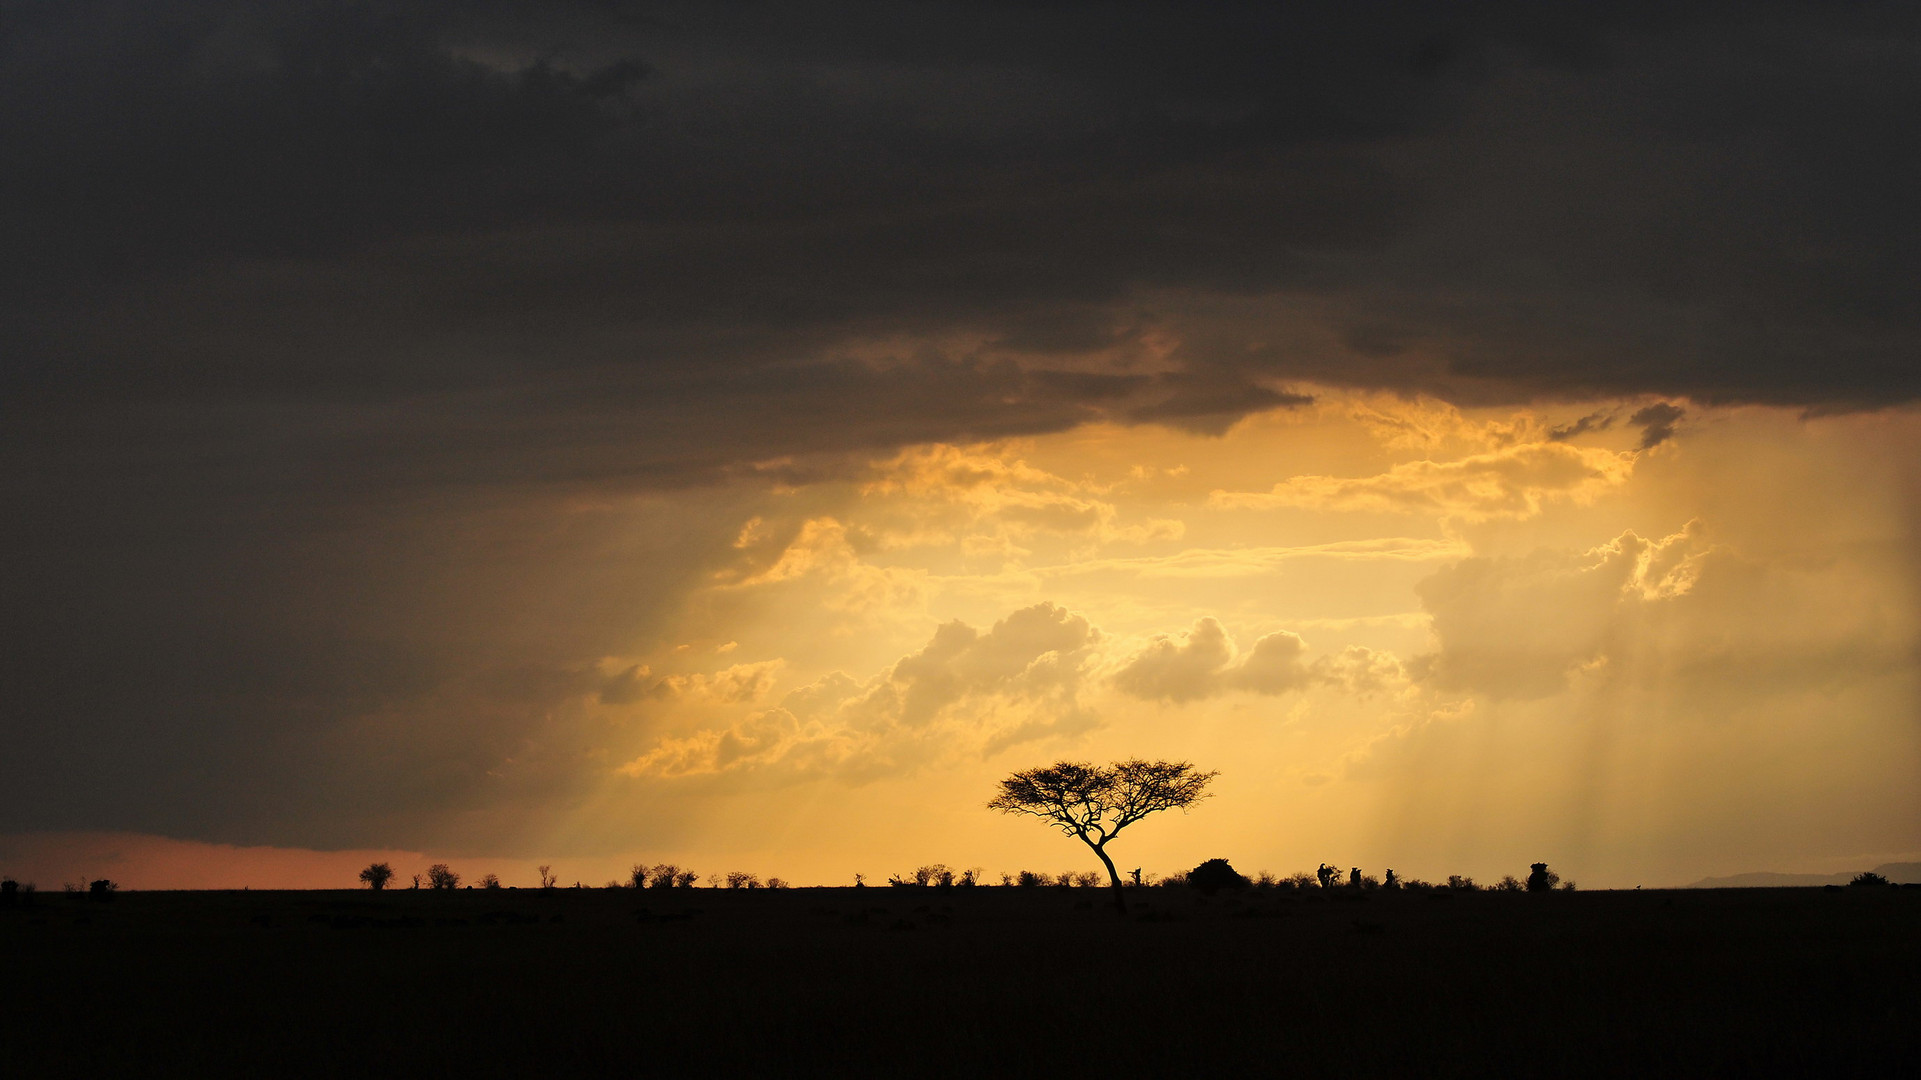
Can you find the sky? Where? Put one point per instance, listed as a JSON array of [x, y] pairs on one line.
[[737, 434]]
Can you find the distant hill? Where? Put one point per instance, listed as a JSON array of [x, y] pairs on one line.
[[1900, 873]]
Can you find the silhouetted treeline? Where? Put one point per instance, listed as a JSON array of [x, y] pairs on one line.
[[1209, 876]]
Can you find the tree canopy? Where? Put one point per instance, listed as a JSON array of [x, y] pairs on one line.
[[1093, 803]]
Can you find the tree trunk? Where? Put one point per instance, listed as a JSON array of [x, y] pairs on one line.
[[1113, 875]]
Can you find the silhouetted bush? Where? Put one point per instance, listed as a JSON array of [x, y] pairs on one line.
[[1567, 886], [490, 881], [101, 889], [1509, 883], [1029, 879], [1868, 879], [1086, 879], [685, 879], [663, 876], [1461, 884], [1214, 875], [442, 876], [1302, 880], [1172, 880], [377, 876], [776, 883], [740, 879], [1541, 879], [546, 876], [969, 878]]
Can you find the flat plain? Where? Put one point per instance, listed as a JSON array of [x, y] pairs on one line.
[[1010, 981]]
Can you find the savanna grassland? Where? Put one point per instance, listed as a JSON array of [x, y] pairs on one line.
[[925, 981]]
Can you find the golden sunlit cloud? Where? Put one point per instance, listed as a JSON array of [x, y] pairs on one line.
[[1424, 582], [1515, 482]]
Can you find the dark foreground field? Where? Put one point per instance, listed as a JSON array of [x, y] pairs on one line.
[[922, 982]]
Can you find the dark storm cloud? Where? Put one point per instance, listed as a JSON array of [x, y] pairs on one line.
[[298, 296]]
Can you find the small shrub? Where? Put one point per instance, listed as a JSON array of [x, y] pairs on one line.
[[490, 881], [685, 879], [1029, 879], [377, 876], [1172, 880], [547, 878], [101, 889], [930, 875], [1461, 884], [1086, 879], [1510, 883], [740, 879], [1214, 875], [1302, 880], [637, 876], [775, 883], [663, 876], [1567, 886], [1868, 879], [969, 878], [442, 876], [1265, 880]]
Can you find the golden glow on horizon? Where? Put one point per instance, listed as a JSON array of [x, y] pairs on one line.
[[1409, 635]]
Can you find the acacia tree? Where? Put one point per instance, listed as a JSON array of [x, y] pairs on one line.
[[377, 876], [1093, 803]]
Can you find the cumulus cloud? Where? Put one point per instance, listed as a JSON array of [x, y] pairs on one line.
[[1204, 663], [1360, 670], [1182, 670], [964, 690]]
